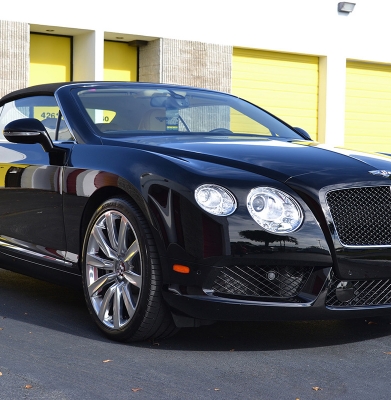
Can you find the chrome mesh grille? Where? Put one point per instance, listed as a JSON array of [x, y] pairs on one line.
[[365, 293], [261, 281], [362, 216]]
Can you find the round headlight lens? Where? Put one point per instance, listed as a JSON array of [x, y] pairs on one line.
[[274, 210], [215, 199]]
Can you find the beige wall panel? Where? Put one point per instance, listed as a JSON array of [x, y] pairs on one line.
[[149, 61], [14, 56], [197, 64], [187, 63]]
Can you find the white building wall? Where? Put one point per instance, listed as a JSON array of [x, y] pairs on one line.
[[301, 26], [88, 56], [331, 107]]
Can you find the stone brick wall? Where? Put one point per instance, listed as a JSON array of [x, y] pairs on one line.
[[149, 62], [187, 63], [14, 56]]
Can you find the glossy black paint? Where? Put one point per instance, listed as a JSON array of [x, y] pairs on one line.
[[48, 196]]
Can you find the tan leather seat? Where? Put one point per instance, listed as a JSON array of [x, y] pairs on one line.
[[153, 120]]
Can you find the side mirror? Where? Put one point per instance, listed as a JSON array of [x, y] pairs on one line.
[[303, 133], [28, 131]]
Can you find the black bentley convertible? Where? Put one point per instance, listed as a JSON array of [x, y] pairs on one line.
[[177, 206]]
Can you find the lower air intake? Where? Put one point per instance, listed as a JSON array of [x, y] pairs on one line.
[[364, 293], [261, 281]]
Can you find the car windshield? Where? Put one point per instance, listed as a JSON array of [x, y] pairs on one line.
[[126, 110]]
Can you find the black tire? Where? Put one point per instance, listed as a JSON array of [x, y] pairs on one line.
[[122, 276]]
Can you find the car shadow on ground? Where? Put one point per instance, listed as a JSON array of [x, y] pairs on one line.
[[270, 336], [63, 309]]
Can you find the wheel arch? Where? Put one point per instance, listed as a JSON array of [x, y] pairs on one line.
[[105, 193]]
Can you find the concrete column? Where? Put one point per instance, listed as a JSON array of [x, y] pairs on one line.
[[150, 62], [14, 56], [186, 63], [88, 56], [332, 93]]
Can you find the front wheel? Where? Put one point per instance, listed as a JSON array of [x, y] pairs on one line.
[[122, 276]]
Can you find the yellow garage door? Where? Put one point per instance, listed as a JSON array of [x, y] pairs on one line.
[[50, 59], [284, 84], [120, 62], [368, 107]]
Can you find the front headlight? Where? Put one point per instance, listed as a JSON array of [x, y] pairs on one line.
[[215, 199], [274, 210]]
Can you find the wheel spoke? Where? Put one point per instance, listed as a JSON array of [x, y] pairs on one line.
[[112, 230], [102, 242], [132, 251], [95, 261], [117, 307], [100, 282], [133, 279], [128, 301], [106, 302], [122, 235]]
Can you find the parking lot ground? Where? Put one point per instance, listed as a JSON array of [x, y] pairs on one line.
[[51, 349]]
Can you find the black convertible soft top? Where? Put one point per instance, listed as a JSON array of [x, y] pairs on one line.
[[46, 89]]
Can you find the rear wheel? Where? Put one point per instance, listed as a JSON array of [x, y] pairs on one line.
[[122, 276]]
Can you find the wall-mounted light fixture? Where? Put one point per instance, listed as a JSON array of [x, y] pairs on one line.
[[346, 7]]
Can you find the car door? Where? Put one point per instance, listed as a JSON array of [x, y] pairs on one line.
[[31, 215]]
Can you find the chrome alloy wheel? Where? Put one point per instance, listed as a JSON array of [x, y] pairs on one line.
[[113, 269]]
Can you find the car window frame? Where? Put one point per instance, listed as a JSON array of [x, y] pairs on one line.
[[59, 120]]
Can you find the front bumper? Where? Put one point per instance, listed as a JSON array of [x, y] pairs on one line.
[[322, 296]]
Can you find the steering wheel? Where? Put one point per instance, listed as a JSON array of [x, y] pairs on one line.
[[221, 130]]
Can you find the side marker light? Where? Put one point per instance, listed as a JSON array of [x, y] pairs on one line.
[[182, 269]]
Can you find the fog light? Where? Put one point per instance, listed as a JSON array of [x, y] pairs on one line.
[[344, 291], [271, 275]]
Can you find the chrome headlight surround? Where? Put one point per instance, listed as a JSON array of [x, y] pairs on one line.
[[274, 210], [215, 199]]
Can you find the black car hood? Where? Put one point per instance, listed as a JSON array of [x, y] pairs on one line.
[[277, 159]]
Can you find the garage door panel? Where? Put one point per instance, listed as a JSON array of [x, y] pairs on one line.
[[50, 59], [363, 117], [277, 104], [366, 95], [368, 107], [284, 84], [363, 80], [376, 139], [120, 62], [270, 91], [362, 112], [365, 89], [368, 104], [271, 56], [274, 75]]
